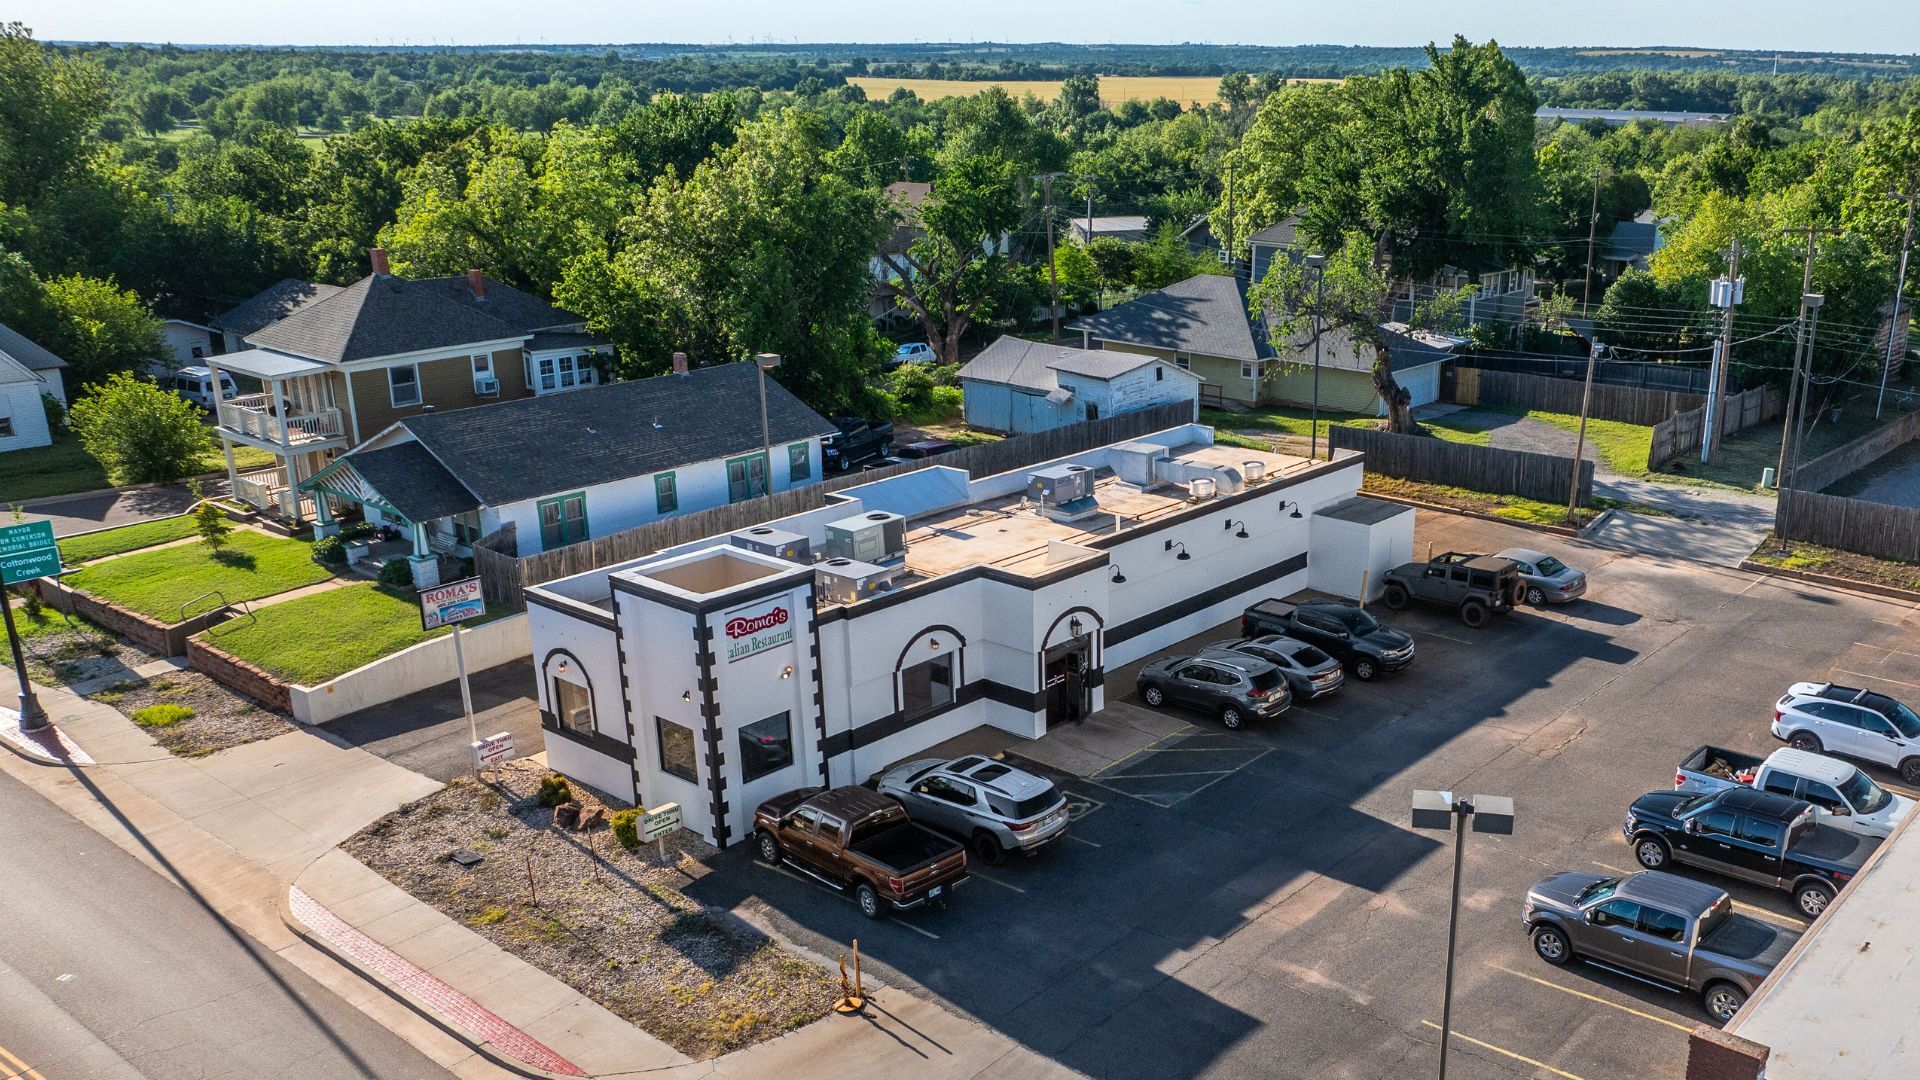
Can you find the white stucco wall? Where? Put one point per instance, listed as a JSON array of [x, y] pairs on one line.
[[418, 667], [20, 403]]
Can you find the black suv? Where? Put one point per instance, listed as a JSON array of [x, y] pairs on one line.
[[1764, 838], [1233, 688]]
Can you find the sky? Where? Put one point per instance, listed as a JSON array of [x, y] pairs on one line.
[[1836, 25]]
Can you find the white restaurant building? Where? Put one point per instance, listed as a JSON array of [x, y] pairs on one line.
[[818, 648]]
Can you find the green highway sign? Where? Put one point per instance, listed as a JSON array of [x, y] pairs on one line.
[[25, 537], [20, 566]]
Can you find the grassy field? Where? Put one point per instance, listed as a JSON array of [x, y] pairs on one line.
[[1684, 54], [156, 583], [63, 468], [316, 638], [75, 550], [1279, 419], [1188, 90]]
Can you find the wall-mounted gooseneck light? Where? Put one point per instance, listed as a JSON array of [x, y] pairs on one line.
[[1114, 575], [1242, 534], [1182, 548]]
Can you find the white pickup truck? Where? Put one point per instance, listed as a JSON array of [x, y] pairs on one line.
[[1842, 795]]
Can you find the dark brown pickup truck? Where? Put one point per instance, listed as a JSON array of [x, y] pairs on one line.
[[859, 841]]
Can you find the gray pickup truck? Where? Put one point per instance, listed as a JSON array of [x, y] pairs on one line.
[[1658, 928]]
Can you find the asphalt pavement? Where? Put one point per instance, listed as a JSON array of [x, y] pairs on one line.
[[427, 731], [90, 510], [109, 971]]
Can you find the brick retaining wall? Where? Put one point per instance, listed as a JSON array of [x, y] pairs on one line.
[[162, 639], [236, 674]]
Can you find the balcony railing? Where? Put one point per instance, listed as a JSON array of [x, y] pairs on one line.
[[253, 414], [268, 491]]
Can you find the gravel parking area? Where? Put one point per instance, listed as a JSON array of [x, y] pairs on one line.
[[618, 926], [1279, 916]]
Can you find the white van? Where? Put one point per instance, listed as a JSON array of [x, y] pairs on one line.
[[196, 385]]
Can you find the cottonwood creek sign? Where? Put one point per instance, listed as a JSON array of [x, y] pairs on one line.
[[757, 629]]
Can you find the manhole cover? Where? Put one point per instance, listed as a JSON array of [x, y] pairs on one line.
[[467, 857]]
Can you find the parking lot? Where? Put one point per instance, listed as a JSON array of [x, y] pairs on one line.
[[1256, 904]]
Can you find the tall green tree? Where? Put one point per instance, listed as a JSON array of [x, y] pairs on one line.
[[48, 108], [101, 330], [139, 432], [948, 275]]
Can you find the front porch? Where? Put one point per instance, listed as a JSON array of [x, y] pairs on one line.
[[295, 419], [403, 488]]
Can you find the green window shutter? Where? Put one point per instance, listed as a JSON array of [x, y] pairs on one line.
[[799, 463], [666, 496]]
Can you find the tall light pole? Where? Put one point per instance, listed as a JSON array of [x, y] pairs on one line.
[[1318, 264], [1580, 441], [767, 361], [1442, 811]]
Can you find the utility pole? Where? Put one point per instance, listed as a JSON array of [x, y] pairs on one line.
[[906, 173], [1053, 272], [1794, 379], [1725, 293], [1099, 293], [1230, 222], [1899, 288], [1580, 441], [1811, 303], [1593, 225]]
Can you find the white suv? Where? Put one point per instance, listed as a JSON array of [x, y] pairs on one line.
[[1845, 720]]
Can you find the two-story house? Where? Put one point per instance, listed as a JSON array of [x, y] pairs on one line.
[[343, 367], [567, 468]]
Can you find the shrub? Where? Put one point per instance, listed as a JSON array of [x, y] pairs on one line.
[[163, 715], [554, 790], [138, 431], [209, 520], [398, 572], [626, 828], [330, 551]]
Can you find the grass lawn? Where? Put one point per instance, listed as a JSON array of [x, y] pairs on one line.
[[156, 583], [1624, 447], [63, 468], [1279, 419], [315, 638], [75, 550]]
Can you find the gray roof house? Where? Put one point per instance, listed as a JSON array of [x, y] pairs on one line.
[[1019, 386], [1127, 227], [270, 305], [571, 467], [45, 366], [1631, 244]]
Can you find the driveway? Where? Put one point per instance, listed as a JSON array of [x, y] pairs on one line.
[[1893, 479], [1256, 904], [427, 731], [90, 510]]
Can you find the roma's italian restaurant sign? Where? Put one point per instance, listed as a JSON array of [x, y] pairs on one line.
[[756, 629]]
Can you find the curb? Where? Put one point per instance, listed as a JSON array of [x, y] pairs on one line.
[[431, 1015], [1828, 580], [1559, 530], [33, 746]]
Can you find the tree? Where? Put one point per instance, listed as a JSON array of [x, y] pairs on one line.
[[1165, 258], [208, 519], [49, 107], [139, 432], [950, 271], [100, 329]]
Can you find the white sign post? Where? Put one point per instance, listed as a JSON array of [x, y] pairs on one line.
[[492, 750], [450, 605], [657, 823]]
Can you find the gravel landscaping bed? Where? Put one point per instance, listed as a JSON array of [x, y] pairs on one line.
[[611, 923], [62, 650], [221, 717], [1835, 563]]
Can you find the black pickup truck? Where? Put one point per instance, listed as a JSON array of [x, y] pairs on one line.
[[1758, 836], [1342, 631], [857, 441]]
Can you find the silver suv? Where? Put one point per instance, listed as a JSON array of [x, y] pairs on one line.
[[1236, 687], [992, 805]]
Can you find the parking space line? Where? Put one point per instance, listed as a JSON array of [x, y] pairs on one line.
[[997, 881], [1591, 997], [902, 922], [16, 1067], [1785, 920], [783, 871], [1083, 840], [1877, 678], [1901, 791], [1884, 649], [1610, 866], [1159, 775], [1503, 1050], [1445, 637]]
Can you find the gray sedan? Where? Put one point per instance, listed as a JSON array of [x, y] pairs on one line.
[[991, 805], [1548, 580]]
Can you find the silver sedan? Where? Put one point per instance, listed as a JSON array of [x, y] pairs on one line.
[[1547, 579]]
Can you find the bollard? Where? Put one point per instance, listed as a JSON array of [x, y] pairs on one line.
[[853, 996]]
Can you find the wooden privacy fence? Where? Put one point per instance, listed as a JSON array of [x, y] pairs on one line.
[[1858, 454], [1627, 404], [1680, 433], [503, 577], [1882, 530], [1477, 468]]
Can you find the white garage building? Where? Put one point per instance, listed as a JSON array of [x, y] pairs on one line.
[[820, 647]]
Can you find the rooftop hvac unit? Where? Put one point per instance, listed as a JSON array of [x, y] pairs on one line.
[[875, 536], [1060, 483], [1138, 464], [1201, 488], [778, 543], [1254, 471], [849, 581]]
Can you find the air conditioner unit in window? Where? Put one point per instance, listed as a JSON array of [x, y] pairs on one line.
[[486, 384]]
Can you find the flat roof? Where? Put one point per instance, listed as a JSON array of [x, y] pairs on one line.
[[1841, 1004], [1362, 510], [265, 364], [1001, 532]]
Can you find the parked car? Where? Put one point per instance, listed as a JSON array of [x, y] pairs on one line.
[[1760, 837], [925, 448], [914, 352], [1310, 672], [1234, 688], [1657, 926], [991, 805], [1842, 795], [1475, 586], [862, 843], [196, 385], [1832, 719], [856, 441], [1343, 631], [1546, 579]]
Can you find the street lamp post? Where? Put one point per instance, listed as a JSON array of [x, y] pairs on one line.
[[1442, 811], [767, 362], [1317, 264]]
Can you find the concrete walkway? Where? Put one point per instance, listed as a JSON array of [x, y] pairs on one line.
[[1701, 524]]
